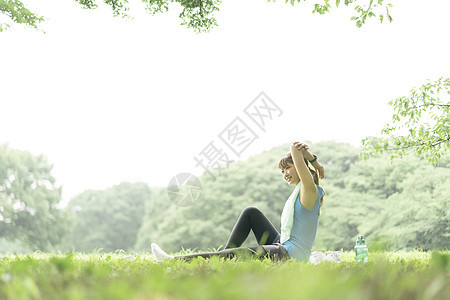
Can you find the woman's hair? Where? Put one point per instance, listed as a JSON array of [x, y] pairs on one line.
[[288, 159]]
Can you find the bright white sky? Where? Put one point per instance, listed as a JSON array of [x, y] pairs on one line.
[[108, 100]]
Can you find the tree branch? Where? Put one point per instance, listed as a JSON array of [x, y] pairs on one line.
[[438, 142]]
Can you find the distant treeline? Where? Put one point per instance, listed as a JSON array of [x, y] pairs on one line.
[[398, 205]]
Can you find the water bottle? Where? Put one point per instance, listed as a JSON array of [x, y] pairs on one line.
[[361, 250]]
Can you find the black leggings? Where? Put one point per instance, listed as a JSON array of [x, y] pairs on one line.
[[266, 234]]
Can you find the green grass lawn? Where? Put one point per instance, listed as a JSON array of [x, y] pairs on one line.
[[388, 275]]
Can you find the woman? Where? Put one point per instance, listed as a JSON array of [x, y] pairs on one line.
[[299, 220]]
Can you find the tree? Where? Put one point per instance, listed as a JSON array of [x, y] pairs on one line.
[[29, 200], [413, 200], [18, 13], [420, 123], [370, 8], [196, 14], [422, 209], [107, 219]]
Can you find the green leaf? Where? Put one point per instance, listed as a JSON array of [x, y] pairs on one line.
[[426, 121], [337, 3]]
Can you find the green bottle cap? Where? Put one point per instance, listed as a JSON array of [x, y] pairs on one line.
[[360, 240]]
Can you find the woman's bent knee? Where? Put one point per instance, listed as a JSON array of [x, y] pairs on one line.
[[251, 210]]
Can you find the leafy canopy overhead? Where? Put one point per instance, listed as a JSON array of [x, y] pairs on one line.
[[18, 13], [420, 123], [196, 14]]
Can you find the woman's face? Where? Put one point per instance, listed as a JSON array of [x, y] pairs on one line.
[[290, 174]]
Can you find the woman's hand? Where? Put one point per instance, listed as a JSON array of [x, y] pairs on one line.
[[304, 150], [319, 169], [300, 147]]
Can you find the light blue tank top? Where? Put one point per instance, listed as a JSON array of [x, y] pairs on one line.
[[304, 229]]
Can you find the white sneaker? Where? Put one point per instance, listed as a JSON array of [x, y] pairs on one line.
[[333, 256], [159, 254]]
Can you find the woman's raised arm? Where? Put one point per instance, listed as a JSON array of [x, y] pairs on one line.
[[317, 166], [308, 189]]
